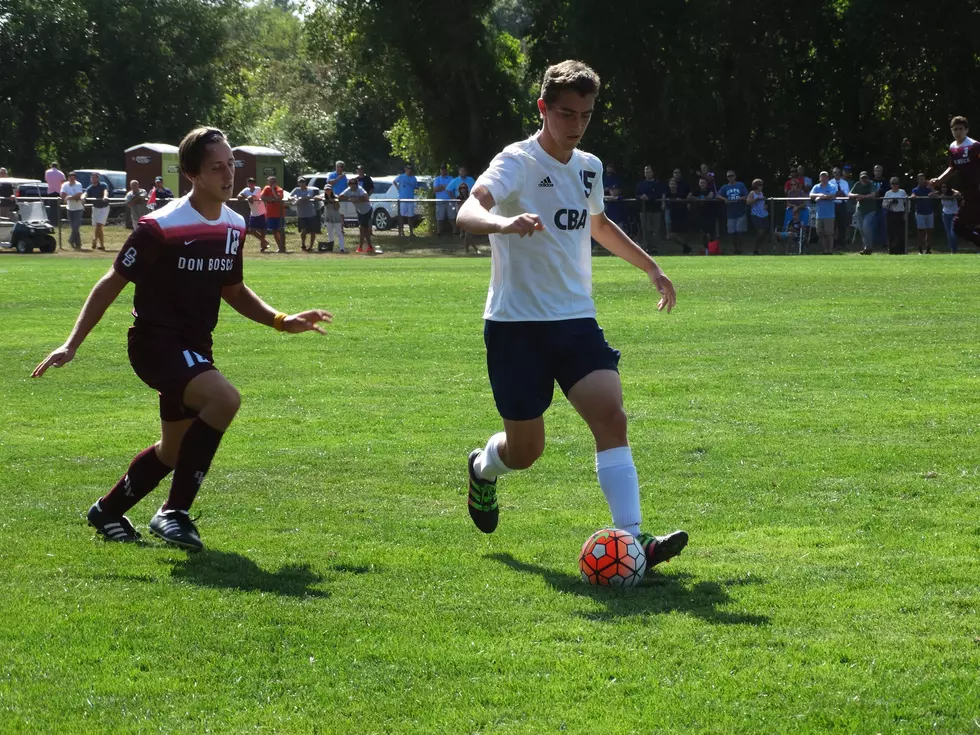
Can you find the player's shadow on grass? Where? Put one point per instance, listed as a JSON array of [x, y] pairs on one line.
[[658, 593], [227, 570]]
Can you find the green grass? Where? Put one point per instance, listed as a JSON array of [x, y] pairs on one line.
[[811, 422]]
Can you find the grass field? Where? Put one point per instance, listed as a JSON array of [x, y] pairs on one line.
[[812, 422]]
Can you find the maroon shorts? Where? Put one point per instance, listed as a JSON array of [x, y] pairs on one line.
[[167, 364]]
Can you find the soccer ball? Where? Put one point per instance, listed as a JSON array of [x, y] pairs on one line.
[[612, 558]]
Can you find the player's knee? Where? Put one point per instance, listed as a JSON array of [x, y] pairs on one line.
[[611, 425], [521, 456], [227, 400]]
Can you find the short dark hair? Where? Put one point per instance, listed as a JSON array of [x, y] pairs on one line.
[[190, 153], [72, 173], [573, 75], [250, 178], [960, 120]]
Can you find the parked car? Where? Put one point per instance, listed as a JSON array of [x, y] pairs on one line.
[[31, 190]]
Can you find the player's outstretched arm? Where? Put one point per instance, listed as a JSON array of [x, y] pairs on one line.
[[475, 217], [101, 297], [245, 301], [607, 233]]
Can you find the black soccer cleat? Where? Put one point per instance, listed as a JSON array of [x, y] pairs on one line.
[[176, 528], [482, 500], [111, 528], [662, 548]]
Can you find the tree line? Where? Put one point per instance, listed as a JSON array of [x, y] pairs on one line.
[[750, 87]]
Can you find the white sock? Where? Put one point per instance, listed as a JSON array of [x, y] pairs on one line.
[[488, 465], [620, 485]]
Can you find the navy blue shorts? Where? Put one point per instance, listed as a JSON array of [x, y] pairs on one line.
[[524, 359]]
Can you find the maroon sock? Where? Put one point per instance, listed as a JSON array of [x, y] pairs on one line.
[[197, 449], [145, 473]]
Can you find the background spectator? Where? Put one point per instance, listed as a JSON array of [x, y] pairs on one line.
[[7, 203], [136, 201], [677, 215], [366, 182], [54, 178], [951, 199], [444, 214], [610, 179], [760, 213], [362, 205], [160, 195], [864, 193], [615, 210], [333, 220], [735, 193], [794, 233], [823, 195], [707, 213], [72, 192], [841, 218], [881, 186], [97, 194], [463, 193], [337, 179], [308, 222], [462, 178], [650, 192], [895, 204], [256, 212], [275, 222], [407, 184], [683, 189], [925, 213]]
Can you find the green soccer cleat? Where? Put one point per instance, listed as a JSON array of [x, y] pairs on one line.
[[482, 500], [662, 548]]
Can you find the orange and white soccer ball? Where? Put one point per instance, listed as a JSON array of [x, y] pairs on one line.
[[612, 558]]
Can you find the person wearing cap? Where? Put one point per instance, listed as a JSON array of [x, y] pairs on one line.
[[256, 212], [824, 194], [160, 194], [864, 194], [309, 223]]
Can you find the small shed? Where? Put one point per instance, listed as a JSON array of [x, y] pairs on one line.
[[146, 161], [258, 161]]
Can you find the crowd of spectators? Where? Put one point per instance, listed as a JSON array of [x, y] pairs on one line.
[[832, 214]]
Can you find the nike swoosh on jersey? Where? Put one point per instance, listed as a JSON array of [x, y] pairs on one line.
[[188, 242]]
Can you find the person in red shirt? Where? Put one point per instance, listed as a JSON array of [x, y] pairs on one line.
[[275, 221], [183, 260], [964, 159]]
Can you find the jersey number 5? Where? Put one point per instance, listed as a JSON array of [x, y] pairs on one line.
[[231, 242]]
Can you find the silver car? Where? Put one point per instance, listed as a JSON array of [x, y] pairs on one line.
[[385, 214]]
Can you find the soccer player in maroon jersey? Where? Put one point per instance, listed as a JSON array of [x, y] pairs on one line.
[[183, 259], [964, 159]]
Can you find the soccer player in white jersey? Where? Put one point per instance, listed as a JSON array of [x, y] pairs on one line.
[[540, 201]]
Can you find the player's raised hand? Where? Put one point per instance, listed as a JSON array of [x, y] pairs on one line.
[[57, 358], [522, 224], [668, 296], [307, 321]]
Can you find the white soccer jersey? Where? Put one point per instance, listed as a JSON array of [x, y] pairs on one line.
[[548, 276]]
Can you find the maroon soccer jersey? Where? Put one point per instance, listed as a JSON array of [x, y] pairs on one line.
[[179, 262], [965, 159]]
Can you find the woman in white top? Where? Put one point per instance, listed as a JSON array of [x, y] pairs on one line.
[[951, 203], [895, 205]]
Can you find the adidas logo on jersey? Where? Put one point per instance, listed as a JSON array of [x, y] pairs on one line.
[[546, 182]]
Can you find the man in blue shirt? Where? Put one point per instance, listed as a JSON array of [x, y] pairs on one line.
[[824, 194], [463, 178], [440, 185], [337, 179], [407, 184], [650, 192], [925, 213], [735, 193]]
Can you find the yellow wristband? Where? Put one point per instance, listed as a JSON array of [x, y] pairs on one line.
[[278, 320]]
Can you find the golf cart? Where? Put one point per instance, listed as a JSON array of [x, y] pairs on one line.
[[32, 230]]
